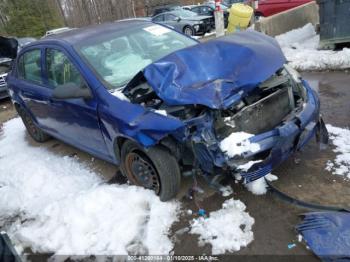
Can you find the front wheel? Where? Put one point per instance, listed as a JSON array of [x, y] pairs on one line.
[[188, 31], [154, 168]]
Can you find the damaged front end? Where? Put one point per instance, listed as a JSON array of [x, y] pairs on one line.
[[244, 110], [262, 130]]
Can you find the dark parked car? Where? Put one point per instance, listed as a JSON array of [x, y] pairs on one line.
[[5, 63], [186, 22], [166, 8], [160, 104], [208, 10], [229, 3]]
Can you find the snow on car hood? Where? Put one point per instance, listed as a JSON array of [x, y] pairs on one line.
[[217, 73]]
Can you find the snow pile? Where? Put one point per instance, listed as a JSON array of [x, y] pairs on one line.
[[56, 204], [300, 48], [238, 143], [259, 187], [340, 137], [227, 229], [226, 191]]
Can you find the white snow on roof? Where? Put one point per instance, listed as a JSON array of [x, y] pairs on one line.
[[227, 230], [340, 138], [300, 47], [57, 204]]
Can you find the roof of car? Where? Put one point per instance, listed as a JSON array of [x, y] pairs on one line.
[[80, 34]]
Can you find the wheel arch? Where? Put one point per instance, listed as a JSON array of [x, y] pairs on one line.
[[168, 143]]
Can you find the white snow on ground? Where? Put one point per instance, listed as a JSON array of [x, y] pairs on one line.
[[226, 191], [300, 47], [227, 230], [247, 166], [340, 137], [56, 204], [238, 143], [259, 187]]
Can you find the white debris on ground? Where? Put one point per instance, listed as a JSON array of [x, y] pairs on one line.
[[226, 191], [340, 138], [119, 94], [227, 230], [55, 204], [238, 143], [259, 187], [300, 47]]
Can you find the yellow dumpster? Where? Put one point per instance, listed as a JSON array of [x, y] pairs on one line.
[[240, 15]]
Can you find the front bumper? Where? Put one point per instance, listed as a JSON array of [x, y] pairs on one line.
[[286, 139], [275, 146]]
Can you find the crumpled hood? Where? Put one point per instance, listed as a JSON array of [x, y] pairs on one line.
[[217, 73], [8, 47]]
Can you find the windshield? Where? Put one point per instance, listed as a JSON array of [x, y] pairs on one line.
[[118, 57], [184, 13]]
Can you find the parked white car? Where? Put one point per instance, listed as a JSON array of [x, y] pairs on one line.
[[57, 31]]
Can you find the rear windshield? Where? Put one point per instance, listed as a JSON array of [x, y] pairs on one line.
[[118, 57]]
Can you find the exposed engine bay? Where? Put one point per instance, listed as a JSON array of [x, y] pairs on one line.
[[277, 100]]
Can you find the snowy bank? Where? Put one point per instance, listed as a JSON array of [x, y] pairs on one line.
[[300, 47], [56, 204], [340, 138], [227, 230]]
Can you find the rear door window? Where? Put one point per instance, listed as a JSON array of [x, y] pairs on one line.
[[29, 66]]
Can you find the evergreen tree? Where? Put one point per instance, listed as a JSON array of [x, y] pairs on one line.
[[29, 17]]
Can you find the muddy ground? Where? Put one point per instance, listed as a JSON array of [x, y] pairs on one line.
[[302, 176]]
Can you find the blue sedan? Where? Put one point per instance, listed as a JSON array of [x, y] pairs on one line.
[[159, 104]]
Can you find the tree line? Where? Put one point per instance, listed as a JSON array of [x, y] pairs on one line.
[[34, 17]]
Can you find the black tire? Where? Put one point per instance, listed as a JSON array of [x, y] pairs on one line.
[[35, 132], [155, 163], [188, 31]]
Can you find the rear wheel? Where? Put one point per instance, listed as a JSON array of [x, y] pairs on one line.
[[188, 31], [35, 132], [154, 169]]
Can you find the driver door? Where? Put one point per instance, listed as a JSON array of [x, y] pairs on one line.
[[73, 120]]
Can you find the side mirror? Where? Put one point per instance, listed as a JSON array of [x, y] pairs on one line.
[[177, 19], [71, 91]]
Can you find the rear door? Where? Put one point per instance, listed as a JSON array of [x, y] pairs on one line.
[[32, 89]]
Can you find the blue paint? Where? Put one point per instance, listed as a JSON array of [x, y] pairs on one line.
[[327, 234], [217, 73]]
